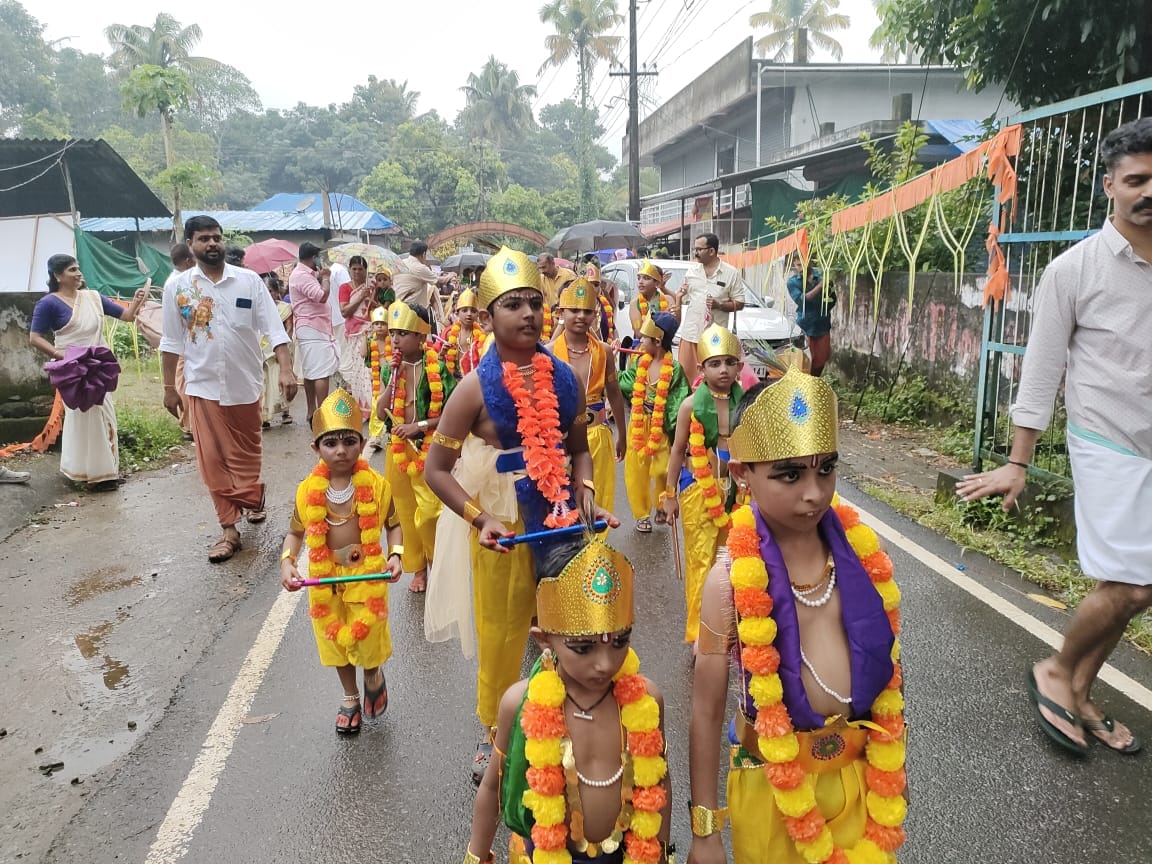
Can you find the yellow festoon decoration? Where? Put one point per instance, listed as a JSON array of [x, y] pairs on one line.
[[508, 270], [809, 406]]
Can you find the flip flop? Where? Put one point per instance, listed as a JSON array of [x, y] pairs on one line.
[[349, 713], [372, 709], [480, 761], [1108, 725], [1039, 700], [644, 525]]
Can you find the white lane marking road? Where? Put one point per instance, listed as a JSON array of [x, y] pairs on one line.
[[191, 802], [1109, 674]]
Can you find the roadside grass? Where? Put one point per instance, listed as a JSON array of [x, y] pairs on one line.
[[147, 433], [1063, 579]]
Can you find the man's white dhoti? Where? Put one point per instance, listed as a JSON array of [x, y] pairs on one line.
[[317, 354], [1113, 511]]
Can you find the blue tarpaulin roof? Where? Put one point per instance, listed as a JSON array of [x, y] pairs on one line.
[[963, 135], [304, 202]]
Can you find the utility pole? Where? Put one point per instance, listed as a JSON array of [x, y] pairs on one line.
[[633, 116]]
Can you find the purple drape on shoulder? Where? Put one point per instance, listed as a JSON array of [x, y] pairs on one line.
[[865, 623]]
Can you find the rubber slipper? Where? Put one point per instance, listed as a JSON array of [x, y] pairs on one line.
[[1039, 700], [349, 713], [644, 526], [1108, 725], [481, 760], [372, 709]]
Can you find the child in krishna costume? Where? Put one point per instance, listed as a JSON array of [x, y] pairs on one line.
[[804, 604]]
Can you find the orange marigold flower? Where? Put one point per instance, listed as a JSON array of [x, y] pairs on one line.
[[318, 554], [650, 798], [321, 470], [743, 543], [894, 725], [886, 783], [888, 839], [360, 631], [785, 775], [753, 603], [551, 837], [849, 517], [547, 781], [371, 549], [332, 630], [367, 523], [378, 606], [894, 621], [314, 499], [897, 677], [805, 828], [642, 850], [837, 857], [772, 721], [319, 611], [364, 494], [760, 659], [630, 688], [542, 721], [646, 743], [317, 529], [879, 566]]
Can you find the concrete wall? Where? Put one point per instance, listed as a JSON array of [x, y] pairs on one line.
[[25, 395]]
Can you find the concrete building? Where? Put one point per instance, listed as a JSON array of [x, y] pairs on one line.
[[750, 129]]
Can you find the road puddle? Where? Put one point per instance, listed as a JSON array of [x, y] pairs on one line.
[[99, 582], [90, 643]]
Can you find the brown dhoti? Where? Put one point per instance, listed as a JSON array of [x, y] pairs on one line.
[[228, 452]]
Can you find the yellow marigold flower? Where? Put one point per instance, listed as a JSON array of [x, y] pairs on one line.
[[344, 638], [795, 802], [648, 770], [757, 631], [748, 573], [896, 650], [318, 570], [645, 825], [314, 514], [551, 856], [542, 752], [889, 593], [697, 439], [782, 748], [887, 811], [631, 666], [547, 688], [643, 715], [864, 540], [366, 509], [886, 755], [867, 852], [888, 703], [546, 809], [317, 484], [314, 541], [819, 849], [766, 689], [372, 536], [362, 478]]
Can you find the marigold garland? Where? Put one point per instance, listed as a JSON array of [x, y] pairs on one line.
[[542, 720], [793, 790], [549, 324], [399, 446], [609, 316], [647, 431], [643, 305], [538, 422], [452, 348], [374, 355], [320, 556], [702, 472]]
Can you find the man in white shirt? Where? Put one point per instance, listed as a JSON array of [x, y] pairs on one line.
[[1090, 316], [214, 317], [712, 290]]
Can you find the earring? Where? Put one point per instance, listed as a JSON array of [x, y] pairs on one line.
[[548, 659]]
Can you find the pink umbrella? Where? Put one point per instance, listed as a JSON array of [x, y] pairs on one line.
[[267, 255]]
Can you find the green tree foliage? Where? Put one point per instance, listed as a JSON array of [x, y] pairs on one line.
[[520, 206], [89, 96], [794, 24], [26, 86], [499, 106], [166, 44], [1069, 47]]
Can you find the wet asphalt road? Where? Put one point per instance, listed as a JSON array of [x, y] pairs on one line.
[[986, 785]]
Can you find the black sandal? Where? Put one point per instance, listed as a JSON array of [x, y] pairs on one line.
[[350, 714], [371, 697], [480, 760]]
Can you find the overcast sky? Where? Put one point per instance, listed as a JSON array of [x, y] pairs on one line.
[[291, 57]]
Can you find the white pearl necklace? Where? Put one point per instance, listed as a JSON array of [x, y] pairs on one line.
[[820, 682], [824, 598], [341, 497], [602, 784]]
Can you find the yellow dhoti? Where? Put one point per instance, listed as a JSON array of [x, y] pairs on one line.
[[644, 478], [701, 540], [417, 508], [603, 451]]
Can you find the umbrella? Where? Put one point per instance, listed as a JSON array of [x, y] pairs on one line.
[[456, 263], [85, 375], [376, 256], [597, 234], [267, 255]]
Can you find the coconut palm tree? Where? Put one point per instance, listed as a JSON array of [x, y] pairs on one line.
[[498, 105], [892, 44], [796, 23], [582, 32]]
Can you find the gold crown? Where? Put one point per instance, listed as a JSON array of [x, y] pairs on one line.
[[791, 419], [648, 328], [466, 299], [401, 316], [579, 295], [507, 270], [592, 273], [592, 594], [379, 315], [337, 413], [650, 269], [717, 341], [789, 357], [382, 269]]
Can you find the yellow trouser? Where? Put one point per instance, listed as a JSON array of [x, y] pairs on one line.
[[701, 540], [376, 427], [603, 451], [504, 591], [644, 478], [348, 605], [758, 832], [418, 510]]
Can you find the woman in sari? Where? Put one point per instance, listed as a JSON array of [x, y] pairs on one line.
[[73, 315], [357, 299]]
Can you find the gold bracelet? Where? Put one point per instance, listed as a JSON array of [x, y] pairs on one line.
[[472, 509], [287, 555], [448, 441], [396, 549], [589, 485], [171, 387], [707, 822]]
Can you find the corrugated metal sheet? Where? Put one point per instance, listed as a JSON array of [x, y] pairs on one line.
[[33, 179], [289, 202], [248, 220]]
